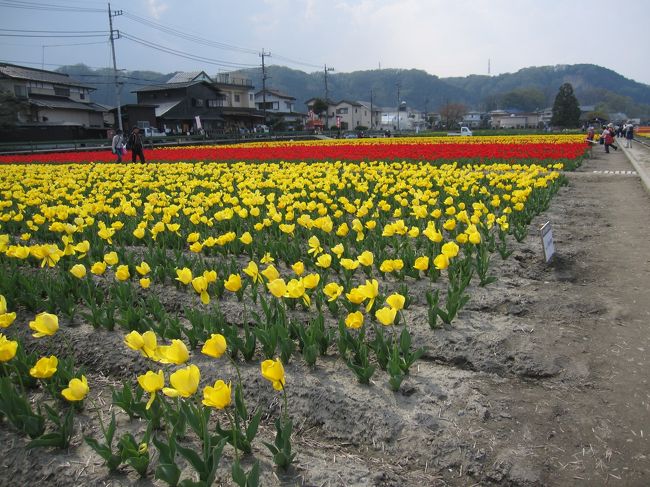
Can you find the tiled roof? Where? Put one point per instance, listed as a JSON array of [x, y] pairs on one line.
[[65, 103], [31, 74], [277, 93], [187, 77], [167, 86], [163, 108]]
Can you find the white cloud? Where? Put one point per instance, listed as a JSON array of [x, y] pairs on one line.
[[156, 8]]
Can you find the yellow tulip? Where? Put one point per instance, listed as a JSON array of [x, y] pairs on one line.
[[45, 324], [215, 346], [396, 301], [184, 275], [3, 304], [147, 343], [210, 276], [277, 287], [184, 382], [252, 271], [98, 268], [310, 281], [152, 382], [386, 316], [233, 284], [421, 263], [145, 282], [314, 246], [355, 296], [6, 319], [8, 348], [111, 258], [218, 396], [387, 266], [298, 268], [44, 368], [271, 273], [450, 249], [324, 261], [272, 370], [246, 238], [143, 269], [441, 262], [122, 273], [354, 320], [76, 390], [349, 264], [176, 353], [370, 290], [78, 271], [366, 258], [332, 291]]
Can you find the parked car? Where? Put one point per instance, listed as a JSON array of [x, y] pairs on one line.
[[464, 131], [350, 135], [152, 132]]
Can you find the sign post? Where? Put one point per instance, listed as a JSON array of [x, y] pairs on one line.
[[546, 232]]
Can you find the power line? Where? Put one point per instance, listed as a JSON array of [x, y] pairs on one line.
[[186, 36], [47, 6], [207, 42], [24, 31], [292, 61], [51, 35], [193, 57]]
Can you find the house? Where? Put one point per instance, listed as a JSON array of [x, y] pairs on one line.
[[346, 114], [179, 103], [501, 119], [192, 102], [350, 115], [404, 118], [280, 109], [472, 120], [56, 106], [238, 102]]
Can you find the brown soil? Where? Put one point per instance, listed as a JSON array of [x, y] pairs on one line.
[[541, 380]]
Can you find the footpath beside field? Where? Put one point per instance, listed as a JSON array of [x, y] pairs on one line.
[[587, 424]]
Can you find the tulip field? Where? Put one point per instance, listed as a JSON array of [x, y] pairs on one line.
[[169, 320]]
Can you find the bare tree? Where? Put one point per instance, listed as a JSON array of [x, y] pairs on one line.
[[452, 114]]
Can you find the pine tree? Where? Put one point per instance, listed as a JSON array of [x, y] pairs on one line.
[[566, 110]]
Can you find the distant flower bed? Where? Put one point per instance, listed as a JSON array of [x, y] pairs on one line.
[[536, 148]]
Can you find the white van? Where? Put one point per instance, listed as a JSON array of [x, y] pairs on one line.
[[152, 132]]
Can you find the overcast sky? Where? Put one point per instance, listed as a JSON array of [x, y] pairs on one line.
[[442, 37]]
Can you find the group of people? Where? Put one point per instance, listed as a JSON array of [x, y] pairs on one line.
[[610, 132], [134, 143]]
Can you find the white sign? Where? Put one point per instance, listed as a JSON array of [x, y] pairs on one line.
[[546, 233], [198, 122]]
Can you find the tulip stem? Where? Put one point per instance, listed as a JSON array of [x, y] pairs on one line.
[[234, 434]]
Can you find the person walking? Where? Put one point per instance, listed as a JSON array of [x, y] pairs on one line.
[[609, 138], [629, 135], [136, 144], [117, 146]]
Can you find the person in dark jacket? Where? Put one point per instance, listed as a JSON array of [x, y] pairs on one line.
[[629, 135], [136, 144]]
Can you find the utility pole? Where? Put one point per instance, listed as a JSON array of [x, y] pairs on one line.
[[327, 99], [399, 85], [263, 54], [117, 85], [371, 111], [426, 110]]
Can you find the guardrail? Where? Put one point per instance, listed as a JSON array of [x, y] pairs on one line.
[[150, 142]]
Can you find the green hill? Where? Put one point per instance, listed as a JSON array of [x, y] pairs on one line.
[[527, 89]]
